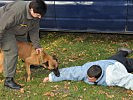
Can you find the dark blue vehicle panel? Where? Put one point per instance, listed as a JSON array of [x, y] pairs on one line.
[[87, 15], [130, 16], [91, 15], [49, 21]]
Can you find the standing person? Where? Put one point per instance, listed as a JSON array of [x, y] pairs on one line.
[[111, 72], [17, 19]]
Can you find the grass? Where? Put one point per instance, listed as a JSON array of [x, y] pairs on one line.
[[71, 49]]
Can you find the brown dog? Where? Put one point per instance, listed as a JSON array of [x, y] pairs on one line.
[[28, 54]]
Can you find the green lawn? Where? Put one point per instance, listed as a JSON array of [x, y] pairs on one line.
[[71, 49]]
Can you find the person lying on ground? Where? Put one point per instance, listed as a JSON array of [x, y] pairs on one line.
[[115, 71]]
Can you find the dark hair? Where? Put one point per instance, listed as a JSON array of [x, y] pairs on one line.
[[38, 7], [94, 71]]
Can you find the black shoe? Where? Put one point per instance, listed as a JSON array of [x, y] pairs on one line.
[[129, 51], [9, 82]]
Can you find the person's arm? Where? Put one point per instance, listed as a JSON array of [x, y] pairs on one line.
[[34, 35], [8, 20], [72, 73]]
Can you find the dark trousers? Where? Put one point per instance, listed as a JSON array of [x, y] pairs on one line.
[[121, 57], [10, 49]]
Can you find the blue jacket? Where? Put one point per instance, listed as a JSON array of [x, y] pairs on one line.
[[78, 73]]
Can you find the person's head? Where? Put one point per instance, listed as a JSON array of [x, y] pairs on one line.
[[37, 8], [94, 72]]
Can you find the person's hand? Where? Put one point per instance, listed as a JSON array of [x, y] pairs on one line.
[[46, 79], [39, 50]]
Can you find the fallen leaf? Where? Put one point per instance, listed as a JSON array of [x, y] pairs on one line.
[[110, 96], [51, 94], [1, 81], [85, 89], [64, 49], [65, 95]]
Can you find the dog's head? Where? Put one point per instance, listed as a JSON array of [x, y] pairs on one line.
[[50, 63]]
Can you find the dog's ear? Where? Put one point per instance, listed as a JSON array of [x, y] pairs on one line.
[[44, 51]]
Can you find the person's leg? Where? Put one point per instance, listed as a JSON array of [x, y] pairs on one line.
[[119, 54], [122, 52], [129, 66], [10, 50], [125, 49], [121, 57]]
